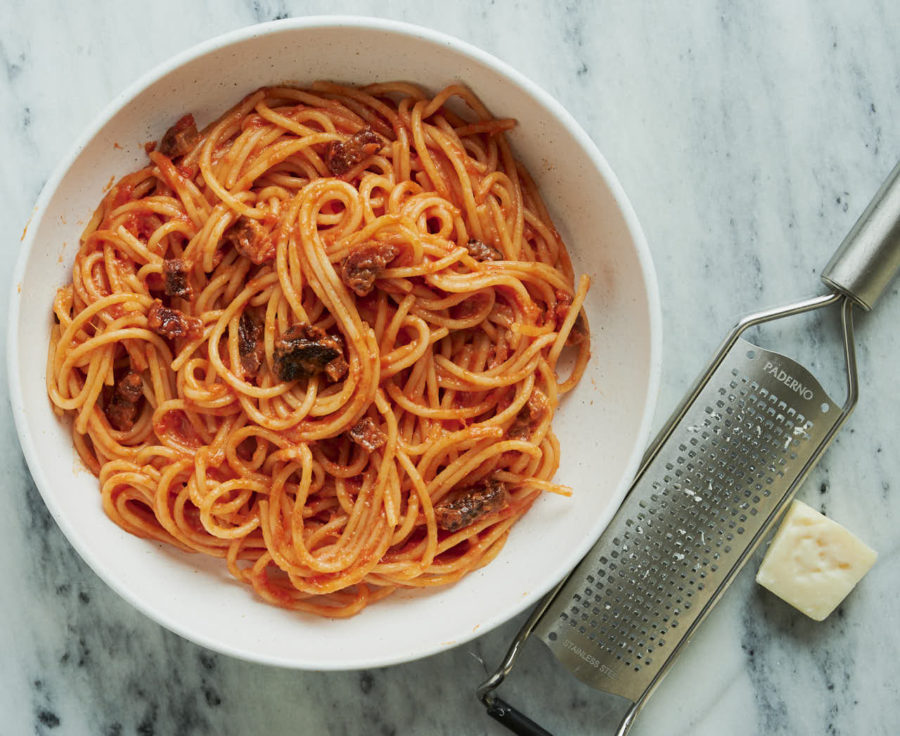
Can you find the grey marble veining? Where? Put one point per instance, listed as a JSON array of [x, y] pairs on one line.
[[749, 136]]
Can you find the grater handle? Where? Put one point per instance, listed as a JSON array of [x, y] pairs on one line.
[[513, 719], [869, 256]]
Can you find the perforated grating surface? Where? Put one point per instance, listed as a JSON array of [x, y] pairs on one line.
[[688, 519]]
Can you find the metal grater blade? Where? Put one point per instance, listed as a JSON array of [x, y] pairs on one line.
[[691, 518]]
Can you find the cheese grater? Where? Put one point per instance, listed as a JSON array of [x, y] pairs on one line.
[[719, 473]]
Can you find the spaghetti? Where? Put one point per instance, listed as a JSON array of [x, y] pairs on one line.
[[319, 339]]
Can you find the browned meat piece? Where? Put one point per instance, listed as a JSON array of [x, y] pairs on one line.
[[367, 435], [532, 413], [180, 138], [304, 351], [172, 323], [563, 302], [468, 506], [122, 407], [337, 369], [341, 156], [251, 240], [130, 387], [363, 266], [175, 275], [250, 344], [482, 251], [121, 414]]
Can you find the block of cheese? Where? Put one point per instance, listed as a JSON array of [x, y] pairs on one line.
[[813, 562]]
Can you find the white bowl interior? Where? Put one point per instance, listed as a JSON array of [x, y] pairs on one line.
[[602, 425]]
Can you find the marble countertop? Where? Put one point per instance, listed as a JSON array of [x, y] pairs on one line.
[[749, 137]]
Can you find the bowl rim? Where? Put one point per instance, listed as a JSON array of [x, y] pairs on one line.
[[406, 30]]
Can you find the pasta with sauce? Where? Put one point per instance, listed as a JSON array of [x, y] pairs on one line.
[[319, 339]]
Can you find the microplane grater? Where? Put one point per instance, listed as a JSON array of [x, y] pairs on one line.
[[720, 472], [705, 495]]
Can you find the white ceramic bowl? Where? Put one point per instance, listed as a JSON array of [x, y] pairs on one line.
[[602, 426]]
